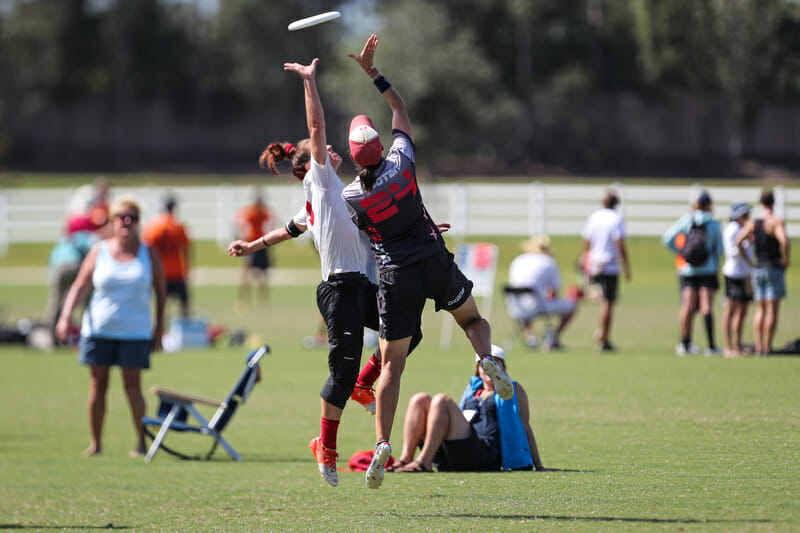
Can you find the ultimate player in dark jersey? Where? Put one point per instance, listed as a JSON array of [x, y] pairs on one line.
[[385, 202]]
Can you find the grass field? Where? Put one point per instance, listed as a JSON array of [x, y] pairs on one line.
[[642, 439]]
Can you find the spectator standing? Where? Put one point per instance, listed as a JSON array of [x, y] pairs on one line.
[[699, 282], [604, 251], [769, 275], [169, 238], [738, 287], [117, 328], [538, 271], [253, 221]]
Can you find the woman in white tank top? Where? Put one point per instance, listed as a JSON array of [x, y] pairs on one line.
[[117, 328]]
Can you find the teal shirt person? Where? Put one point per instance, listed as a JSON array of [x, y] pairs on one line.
[[713, 237]]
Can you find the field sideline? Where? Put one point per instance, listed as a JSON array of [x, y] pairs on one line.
[[642, 439]]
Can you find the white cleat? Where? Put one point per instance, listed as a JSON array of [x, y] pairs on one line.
[[374, 476], [502, 383]]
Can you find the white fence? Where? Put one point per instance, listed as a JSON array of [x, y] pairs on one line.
[[37, 215]]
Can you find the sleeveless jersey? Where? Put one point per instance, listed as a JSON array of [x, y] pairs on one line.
[[392, 214], [341, 246], [768, 249], [120, 304]]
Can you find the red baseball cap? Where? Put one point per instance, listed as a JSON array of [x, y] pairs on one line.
[[365, 144]]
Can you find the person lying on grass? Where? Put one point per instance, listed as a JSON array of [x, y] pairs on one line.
[[483, 433]]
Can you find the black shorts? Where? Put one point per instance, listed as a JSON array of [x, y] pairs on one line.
[[178, 289], [348, 304], [403, 292], [708, 281], [259, 259], [608, 284], [739, 289], [465, 455]]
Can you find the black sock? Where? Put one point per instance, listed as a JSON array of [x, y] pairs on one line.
[[686, 342], [709, 320]]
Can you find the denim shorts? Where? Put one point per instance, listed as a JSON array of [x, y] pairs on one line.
[[109, 352], [769, 283]]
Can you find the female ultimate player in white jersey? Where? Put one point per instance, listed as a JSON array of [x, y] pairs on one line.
[[385, 202], [346, 298]]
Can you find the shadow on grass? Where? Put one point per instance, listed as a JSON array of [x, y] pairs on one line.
[[36, 526], [558, 518]]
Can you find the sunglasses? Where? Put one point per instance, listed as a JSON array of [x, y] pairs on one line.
[[128, 217]]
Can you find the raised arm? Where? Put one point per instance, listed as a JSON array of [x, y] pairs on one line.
[[365, 59], [315, 116]]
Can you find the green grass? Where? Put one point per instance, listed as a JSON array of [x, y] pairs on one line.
[[643, 440]]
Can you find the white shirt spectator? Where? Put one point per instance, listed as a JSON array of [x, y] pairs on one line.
[[538, 272], [603, 229], [735, 265]]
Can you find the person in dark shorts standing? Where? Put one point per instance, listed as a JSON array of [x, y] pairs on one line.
[[481, 433], [385, 202], [769, 275], [604, 253], [346, 298], [169, 238], [738, 288], [700, 282], [254, 219]]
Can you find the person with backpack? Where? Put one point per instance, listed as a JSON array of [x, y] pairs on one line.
[[696, 239]]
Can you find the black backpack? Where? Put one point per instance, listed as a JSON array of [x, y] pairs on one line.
[[695, 249]]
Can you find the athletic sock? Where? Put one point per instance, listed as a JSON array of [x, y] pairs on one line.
[[686, 341], [709, 320], [369, 374], [328, 430]]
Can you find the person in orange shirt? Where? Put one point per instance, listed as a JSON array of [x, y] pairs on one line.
[[169, 239], [254, 220]]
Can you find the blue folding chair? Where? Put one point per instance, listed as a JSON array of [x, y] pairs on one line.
[[175, 407]]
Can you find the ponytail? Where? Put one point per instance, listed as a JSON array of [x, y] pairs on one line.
[[297, 155], [369, 175]]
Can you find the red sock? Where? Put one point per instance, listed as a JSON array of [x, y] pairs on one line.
[[369, 374], [328, 430]]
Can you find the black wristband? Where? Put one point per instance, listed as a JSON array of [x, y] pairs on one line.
[[382, 84], [264, 241], [293, 230]]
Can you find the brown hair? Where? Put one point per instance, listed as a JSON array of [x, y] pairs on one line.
[[610, 200], [369, 175], [767, 198], [298, 156]]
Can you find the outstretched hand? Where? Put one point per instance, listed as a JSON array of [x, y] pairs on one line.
[[367, 55], [306, 72]]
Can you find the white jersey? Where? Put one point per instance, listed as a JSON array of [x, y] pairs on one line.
[[735, 265], [341, 246], [535, 271], [603, 229]]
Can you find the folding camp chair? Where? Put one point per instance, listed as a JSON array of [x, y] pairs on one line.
[[174, 408], [525, 304]]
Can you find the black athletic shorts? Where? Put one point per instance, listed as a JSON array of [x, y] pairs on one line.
[[178, 289], [348, 304], [739, 289], [402, 293], [709, 281], [608, 284], [465, 455], [259, 259]]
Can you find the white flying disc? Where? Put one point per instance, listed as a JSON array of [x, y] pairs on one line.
[[313, 21]]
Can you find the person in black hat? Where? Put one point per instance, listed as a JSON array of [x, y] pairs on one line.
[[699, 232]]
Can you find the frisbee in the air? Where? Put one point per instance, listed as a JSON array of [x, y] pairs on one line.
[[313, 21]]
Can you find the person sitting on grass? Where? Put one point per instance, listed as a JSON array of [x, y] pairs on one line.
[[483, 433]]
